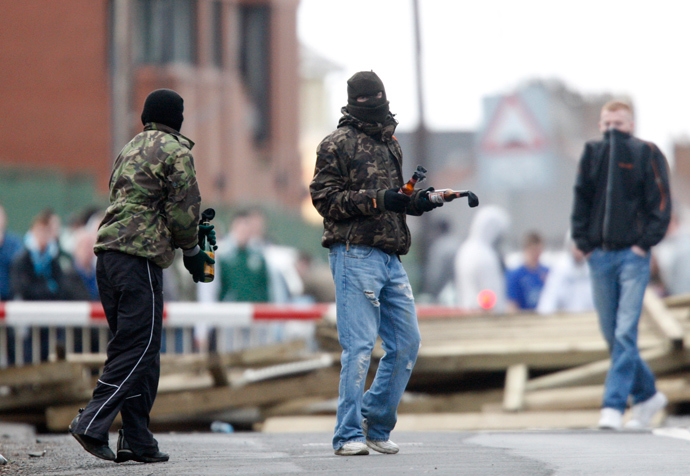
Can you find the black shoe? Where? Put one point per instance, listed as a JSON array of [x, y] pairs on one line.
[[98, 448], [125, 453]]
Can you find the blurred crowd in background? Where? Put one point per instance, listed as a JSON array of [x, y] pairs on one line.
[[54, 261]]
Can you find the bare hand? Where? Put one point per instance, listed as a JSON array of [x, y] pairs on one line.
[[638, 251]]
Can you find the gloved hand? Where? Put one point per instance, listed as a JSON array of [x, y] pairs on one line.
[[394, 201], [207, 232], [422, 202], [195, 264]]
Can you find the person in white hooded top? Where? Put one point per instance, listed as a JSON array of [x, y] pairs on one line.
[[479, 271], [568, 286]]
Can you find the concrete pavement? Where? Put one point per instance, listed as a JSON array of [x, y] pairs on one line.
[[530, 453]]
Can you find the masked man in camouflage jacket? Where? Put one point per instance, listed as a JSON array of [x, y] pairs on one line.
[[355, 188], [154, 208]]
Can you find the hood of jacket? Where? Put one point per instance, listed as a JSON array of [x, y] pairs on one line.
[[489, 225]]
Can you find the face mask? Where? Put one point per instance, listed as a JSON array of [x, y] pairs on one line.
[[366, 97]]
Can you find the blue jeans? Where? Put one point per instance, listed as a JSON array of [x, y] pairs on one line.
[[619, 279], [373, 298]]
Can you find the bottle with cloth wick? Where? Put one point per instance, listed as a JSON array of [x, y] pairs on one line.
[[417, 176], [209, 269]]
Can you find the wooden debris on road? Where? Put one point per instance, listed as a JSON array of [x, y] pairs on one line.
[[472, 372]]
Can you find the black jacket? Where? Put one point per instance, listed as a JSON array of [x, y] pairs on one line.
[[627, 205], [29, 286]]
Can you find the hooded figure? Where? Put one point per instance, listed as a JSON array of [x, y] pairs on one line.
[[478, 264]]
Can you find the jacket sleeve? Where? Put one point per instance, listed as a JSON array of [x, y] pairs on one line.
[[582, 203], [183, 201], [657, 198], [330, 187]]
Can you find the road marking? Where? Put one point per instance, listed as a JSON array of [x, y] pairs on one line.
[[680, 433], [412, 443]]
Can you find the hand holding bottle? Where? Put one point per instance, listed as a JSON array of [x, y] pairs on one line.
[[423, 202], [207, 241], [394, 201]]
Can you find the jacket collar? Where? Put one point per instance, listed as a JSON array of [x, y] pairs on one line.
[[618, 134], [156, 126], [384, 131]]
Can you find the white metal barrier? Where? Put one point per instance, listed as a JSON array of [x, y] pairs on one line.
[[45, 329]]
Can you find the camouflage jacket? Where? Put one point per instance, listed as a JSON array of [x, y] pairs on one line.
[[154, 197], [355, 165]]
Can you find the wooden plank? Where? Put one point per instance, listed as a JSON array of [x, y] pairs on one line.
[[173, 363], [266, 355], [297, 406], [679, 300], [184, 381], [32, 398], [516, 378], [217, 370], [319, 361], [590, 396], [185, 405], [660, 359], [462, 402], [657, 311], [454, 364], [41, 374], [448, 422]]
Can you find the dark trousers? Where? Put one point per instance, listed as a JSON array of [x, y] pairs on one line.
[[131, 290]]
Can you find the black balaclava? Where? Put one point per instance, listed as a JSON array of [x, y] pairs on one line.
[[367, 84], [164, 106]]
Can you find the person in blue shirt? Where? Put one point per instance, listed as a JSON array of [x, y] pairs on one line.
[[10, 246], [524, 284]]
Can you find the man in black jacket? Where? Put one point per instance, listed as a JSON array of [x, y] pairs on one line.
[[621, 209]]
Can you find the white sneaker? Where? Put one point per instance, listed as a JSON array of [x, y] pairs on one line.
[[611, 419], [643, 412], [352, 448], [386, 447]]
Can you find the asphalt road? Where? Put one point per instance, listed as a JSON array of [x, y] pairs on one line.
[[530, 453]]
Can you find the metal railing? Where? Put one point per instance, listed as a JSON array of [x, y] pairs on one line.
[[31, 332]]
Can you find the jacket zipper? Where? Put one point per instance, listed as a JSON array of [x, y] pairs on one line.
[[609, 188]]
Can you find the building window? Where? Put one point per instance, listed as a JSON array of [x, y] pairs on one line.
[[217, 50], [254, 65], [166, 31]]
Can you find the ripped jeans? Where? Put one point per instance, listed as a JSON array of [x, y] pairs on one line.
[[373, 298]]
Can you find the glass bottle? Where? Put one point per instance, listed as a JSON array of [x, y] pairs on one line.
[[209, 269], [417, 176], [448, 195]]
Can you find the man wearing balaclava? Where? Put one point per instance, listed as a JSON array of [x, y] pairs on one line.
[[356, 189], [154, 208]]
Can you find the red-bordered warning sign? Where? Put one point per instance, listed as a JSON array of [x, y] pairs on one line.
[[512, 128]]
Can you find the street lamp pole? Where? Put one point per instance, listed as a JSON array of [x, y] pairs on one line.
[[420, 140]]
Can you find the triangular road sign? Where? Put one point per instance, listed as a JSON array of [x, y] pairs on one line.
[[512, 128]]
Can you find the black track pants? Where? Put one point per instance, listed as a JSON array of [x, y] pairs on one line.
[[131, 290]]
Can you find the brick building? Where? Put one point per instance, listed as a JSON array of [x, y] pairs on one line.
[[75, 74]]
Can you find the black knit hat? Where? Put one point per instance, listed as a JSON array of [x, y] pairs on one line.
[[367, 84], [164, 106]]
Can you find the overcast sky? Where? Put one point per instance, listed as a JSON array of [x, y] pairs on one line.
[[476, 48]]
